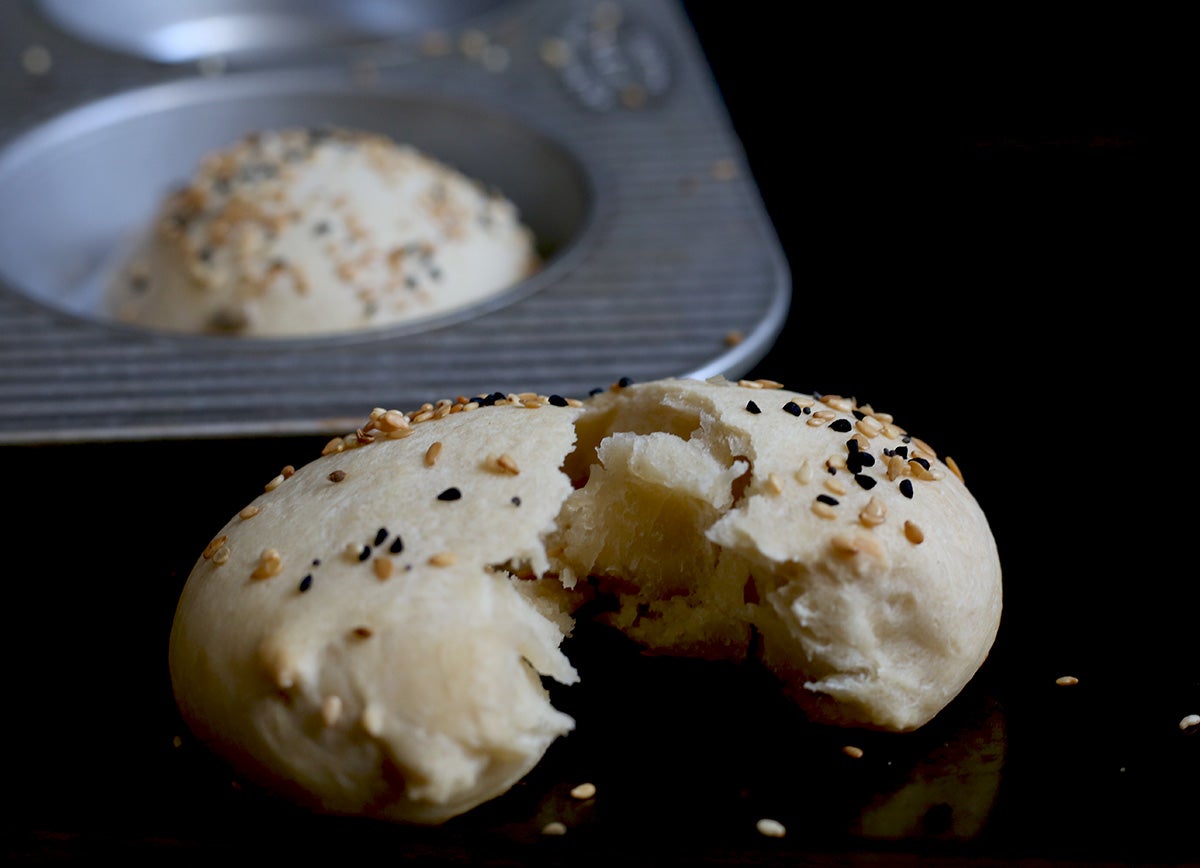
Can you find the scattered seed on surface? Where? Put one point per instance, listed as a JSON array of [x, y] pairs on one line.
[[306, 583], [906, 488], [372, 719], [752, 407], [852, 751], [842, 426], [221, 556], [274, 483], [804, 473], [770, 828], [336, 476], [382, 568], [874, 513], [1192, 721], [773, 484], [913, 533], [1066, 680], [793, 408], [450, 494], [362, 632], [554, 828], [508, 464], [432, 453], [249, 512], [953, 465], [583, 791], [397, 546], [442, 559]]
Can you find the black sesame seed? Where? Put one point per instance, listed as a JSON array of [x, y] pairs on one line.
[[397, 546], [825, 498], [380, 536], [902, 451], [450, 494], [858, 414], [558, 401], [840, 425], [922, 462], [365, 553], [831, 470], [906, 488], [625, 381], [595, 391], [807, 411], [793, 408], [516, 501], [752, 407], [321, 228], [852, 444], [316, 562], [867, 482], [306, 583]]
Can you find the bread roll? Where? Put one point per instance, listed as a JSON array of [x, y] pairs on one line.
[[298, 232], [725, 520]]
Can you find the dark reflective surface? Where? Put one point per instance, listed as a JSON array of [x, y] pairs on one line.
[[979, 251]]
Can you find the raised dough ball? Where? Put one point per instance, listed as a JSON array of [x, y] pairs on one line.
[[305, 232], [718, 511], [356, 639]]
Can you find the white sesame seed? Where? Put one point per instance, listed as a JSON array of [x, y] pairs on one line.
[[331, 710], [853, 751], [770, 828], [372, 719], [1192, 721], [1066, 680], [583, 791], [554, 828]]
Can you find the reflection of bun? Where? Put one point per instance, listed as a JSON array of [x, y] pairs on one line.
[[300, 232], [405, 684]]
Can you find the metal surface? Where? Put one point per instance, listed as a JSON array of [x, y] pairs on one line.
[[606, 130]]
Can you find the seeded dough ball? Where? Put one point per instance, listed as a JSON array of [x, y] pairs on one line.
[[356, 640], [312, 231], [369, 636], [714, 512]]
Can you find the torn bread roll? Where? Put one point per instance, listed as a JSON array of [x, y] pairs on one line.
[[369, 635], [297, 232]]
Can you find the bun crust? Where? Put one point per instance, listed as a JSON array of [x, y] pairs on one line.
[[725, 520]]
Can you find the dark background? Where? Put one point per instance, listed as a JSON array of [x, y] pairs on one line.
[[987, 229]]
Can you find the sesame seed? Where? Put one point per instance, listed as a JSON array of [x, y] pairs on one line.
[[508, 464], [211, 548], [364, 553], [906, 488], [515, 501], [380, 536], [269, 564], [450, 494], [824, 510], [382, 568], [363, 632], [557, 401], [773, 484], [554, 828], [770, 828], [874, 513], [442, 559], [432, 453], [852, 751], [274, 483], [834, 487], [248, 512], [372, 719], [625, 382], [953, 465], [913, 533], [793, 408], [826, 499], [306, 583], [221, 555], [1066, 681], [397, 546], [583, 791], [842, 426], [804, 473], [752, 407], [1192, 721], [865, 482], [331, 710]]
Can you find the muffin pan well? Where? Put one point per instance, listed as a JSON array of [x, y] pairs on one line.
[[599, 120]]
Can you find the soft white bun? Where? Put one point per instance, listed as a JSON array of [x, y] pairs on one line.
[[727, 520], [706, 515], [303, 232], [403, 685]]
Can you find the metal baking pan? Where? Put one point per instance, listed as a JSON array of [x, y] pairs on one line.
[[601, 121]]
